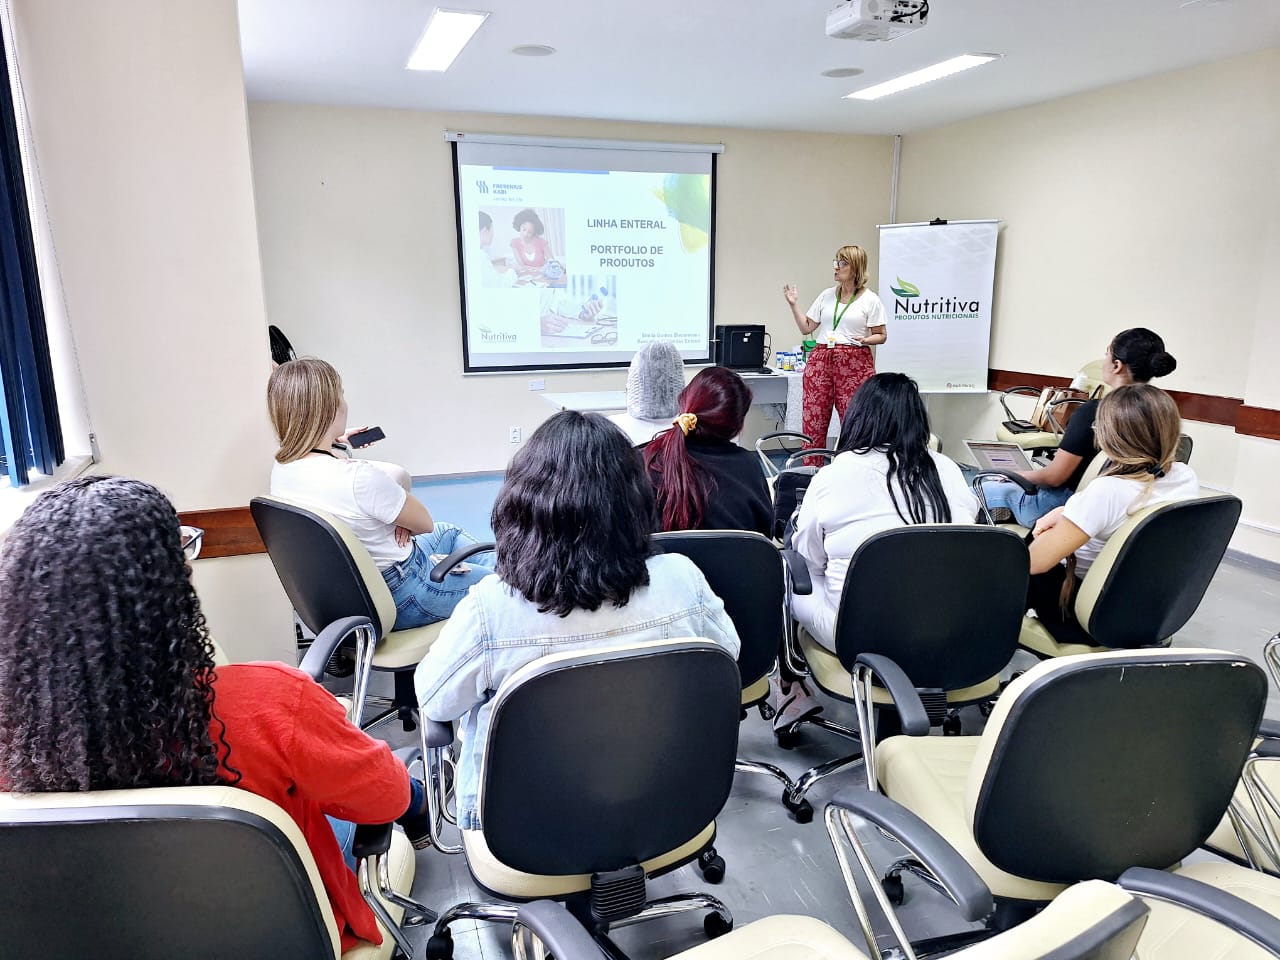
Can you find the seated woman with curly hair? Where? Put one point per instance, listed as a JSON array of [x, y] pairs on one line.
[[107, 681], [576, 571]]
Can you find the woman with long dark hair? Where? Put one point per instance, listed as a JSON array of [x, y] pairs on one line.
[[1133, 356], [884, 476], [702, 479], [107, 681], [576, 571]]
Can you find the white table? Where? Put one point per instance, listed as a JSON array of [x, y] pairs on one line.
[[780, 389]]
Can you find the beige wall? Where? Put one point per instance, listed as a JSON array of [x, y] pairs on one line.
[[138, 116], [359, 250], [1152, 203]]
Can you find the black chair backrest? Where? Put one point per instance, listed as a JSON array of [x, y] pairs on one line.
[[1103, 762], [944, 601], [603, 759], [746, 571], [788, 489], [1162, 571], [315, 565], [123, 882], [1185, 446]]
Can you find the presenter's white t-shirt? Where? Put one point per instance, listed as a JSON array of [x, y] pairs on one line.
[[865, 311], [1101, 508], [357, 492]]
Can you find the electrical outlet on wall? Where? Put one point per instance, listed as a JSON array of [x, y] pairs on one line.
[[515, 434]]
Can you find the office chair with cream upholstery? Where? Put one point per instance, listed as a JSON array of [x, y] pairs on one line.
[[1088, 766], [601, 768], [1147, 581], [938, 604], [206, 873], [1091, 921], [335, 587], [747, 572], [1042, 430]]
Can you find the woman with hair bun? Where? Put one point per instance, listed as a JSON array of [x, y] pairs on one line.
[[1133, 356], [576, 571], [107, 682], [1138, 428], [701, 478]]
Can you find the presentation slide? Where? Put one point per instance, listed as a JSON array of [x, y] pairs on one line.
[[575, 257]]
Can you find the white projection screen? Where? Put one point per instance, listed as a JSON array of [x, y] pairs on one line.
[[575, 253]]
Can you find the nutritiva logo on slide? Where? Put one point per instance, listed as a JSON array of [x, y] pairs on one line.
[[949, 308]]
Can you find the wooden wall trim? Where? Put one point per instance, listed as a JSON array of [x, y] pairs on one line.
[[228, 532], [1202, 407], [1259, 422]]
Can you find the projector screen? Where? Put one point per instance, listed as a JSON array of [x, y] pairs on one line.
[[575, 253]]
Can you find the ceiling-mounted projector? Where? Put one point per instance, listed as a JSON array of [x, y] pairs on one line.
[[876, 19]]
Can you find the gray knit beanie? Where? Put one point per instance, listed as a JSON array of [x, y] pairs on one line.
[[654, 380]]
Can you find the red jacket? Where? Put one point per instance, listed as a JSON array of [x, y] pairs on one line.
[[291, 742]]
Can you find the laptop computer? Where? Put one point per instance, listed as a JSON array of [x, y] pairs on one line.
[[996, 455]]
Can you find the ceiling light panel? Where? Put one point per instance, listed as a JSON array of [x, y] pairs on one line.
[[447, 32], [926, 75]]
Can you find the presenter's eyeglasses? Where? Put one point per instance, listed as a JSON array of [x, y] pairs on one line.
[[839, 264], [192, 539]]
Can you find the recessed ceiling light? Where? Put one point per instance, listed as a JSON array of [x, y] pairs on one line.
[[447, 32], [926, 75], [533, 50], [843, 72]]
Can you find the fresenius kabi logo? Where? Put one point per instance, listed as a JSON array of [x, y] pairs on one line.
[[948, 308]]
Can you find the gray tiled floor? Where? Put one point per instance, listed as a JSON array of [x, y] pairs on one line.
[[778, 866]]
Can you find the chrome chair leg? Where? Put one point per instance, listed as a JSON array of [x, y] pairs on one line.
[[813, 775], [802, 810]]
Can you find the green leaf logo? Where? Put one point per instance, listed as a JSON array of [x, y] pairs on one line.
[[904, 289]]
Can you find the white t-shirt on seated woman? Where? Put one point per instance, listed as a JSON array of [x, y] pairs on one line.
[[360, 493], [1102, 508]]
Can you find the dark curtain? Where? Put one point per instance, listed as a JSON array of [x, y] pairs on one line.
[[30, 429]]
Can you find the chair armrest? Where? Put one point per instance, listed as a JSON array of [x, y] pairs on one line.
[[436, 733], [371, 840], [564, 936], [326, 642], [798, 572], [1217, 905], [1015, 391], [1268, 750], [441, 569], [783, 433], [826, 452], [953, 872], [1269, 729], [911, 711]]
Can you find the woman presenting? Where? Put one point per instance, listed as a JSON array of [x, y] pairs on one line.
[[846, 321]]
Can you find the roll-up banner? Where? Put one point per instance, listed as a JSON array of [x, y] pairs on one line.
[[936, 282]]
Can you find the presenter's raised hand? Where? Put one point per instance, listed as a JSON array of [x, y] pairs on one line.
[[790, 292]]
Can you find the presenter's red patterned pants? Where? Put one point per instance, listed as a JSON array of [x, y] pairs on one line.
[[832, 375]]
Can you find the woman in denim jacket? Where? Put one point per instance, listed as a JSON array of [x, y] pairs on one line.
[[576, 571]]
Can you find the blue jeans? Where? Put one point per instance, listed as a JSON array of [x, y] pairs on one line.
[[418, 600], [1027, 507]]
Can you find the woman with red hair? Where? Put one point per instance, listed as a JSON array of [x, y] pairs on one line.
[[702, 479]]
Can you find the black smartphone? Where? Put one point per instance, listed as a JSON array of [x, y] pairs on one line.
[[365, 437]]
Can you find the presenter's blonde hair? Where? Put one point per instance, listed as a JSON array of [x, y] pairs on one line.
[[303, 397], [856, 257]]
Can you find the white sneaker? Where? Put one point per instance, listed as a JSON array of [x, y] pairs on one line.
[[794, 703]]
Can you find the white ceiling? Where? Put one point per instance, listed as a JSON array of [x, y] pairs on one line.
[[751, 63]]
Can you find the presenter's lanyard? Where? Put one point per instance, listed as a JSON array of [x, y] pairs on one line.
[[840, 313]]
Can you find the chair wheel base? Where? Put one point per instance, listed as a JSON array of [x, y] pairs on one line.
[[893, 889], [951, 726], [440, 946], [712, 866], [716, 925], [801, 810], [787, 738]]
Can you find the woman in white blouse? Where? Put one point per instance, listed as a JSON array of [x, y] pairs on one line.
[[885, 476]]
